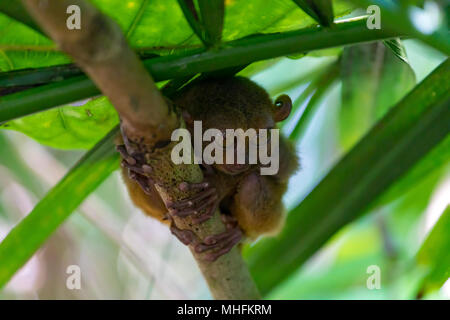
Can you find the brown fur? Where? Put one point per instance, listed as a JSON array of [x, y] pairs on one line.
[[254, 200]]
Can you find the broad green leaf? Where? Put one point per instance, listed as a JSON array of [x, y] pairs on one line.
[[435, 253], [22, 47], [69, 127], [29, 235], [404, 136], [242, 52], [16, 10], [373, 80], [155, 26]]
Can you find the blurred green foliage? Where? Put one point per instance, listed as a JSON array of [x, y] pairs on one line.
[[339, 94]]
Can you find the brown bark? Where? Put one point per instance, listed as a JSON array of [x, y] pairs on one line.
[[101, 50]]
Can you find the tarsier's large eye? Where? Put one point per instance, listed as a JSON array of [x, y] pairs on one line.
[[282, 108]]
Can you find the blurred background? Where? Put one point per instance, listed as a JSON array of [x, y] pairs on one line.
[[122, 254]]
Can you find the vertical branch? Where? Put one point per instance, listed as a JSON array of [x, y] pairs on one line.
[[100, 49]]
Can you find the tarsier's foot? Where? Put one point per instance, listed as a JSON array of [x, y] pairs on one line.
[[187, 237], [137, 169], [214, 245], [220, 244], [201, 206]]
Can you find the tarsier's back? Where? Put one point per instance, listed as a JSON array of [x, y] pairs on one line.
[[230, 101]]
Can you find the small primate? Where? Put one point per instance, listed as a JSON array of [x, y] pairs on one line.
[[250, 203]]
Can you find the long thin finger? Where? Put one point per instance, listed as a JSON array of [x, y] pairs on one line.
[[185, 186], [189, 202], [123, 152]]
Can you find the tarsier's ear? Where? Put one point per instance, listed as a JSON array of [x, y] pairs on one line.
[[282, 108]]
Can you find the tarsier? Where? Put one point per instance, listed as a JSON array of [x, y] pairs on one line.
[[250, 203]]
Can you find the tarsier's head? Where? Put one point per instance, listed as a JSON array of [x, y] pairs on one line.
[[231, 103]]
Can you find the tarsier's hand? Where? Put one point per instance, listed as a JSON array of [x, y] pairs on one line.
[[219, 244], [200, 206], [137, 169], [213, 246]]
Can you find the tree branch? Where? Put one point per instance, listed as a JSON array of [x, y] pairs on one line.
[[100, 49]]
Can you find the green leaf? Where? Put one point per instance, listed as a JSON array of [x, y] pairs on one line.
[[207, 23], [434, 253], [15, 10], [191, 15], [22, 47], [69, 127], [387, 152], [321, 86], [373, 80], [319, 10], [237, 53], [434, 162], [144, 22], [29, 235]]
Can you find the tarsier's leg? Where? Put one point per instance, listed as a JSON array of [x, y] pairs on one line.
[[258, 206]]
